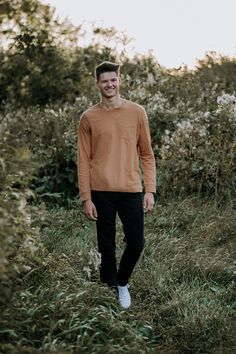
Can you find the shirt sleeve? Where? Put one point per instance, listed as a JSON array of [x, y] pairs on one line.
[[146, 154], [84, 158]]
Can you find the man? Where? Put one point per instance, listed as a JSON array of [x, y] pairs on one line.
[[113, 137]]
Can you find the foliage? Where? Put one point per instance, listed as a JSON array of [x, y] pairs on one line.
[[199, 155], [50, 135], [19, 233], [184, 289], [35, 53]]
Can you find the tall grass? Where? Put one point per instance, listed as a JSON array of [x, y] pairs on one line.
[[183, 289]]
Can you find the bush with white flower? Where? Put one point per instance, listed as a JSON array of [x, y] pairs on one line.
[[198, 156]]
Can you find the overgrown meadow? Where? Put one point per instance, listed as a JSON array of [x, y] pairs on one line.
[[184, 286]]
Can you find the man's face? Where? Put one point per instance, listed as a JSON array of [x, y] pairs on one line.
[[109, 84]]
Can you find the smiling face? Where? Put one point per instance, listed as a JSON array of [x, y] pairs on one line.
[[109, 84]]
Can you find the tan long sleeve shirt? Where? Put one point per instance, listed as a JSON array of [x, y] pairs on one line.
[[111, 144]]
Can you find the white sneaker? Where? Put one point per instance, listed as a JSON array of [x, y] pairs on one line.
[[124, 296]]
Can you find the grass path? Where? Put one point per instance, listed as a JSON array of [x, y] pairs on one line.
[[183, 289]]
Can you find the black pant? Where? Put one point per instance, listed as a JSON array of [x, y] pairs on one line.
[[130, 210]]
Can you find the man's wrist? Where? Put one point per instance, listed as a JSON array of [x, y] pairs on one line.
[[87, 200]]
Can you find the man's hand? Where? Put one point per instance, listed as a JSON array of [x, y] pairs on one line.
[[148, 202], [89, 210]]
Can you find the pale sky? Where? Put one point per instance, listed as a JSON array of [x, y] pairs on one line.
[[177, 31]]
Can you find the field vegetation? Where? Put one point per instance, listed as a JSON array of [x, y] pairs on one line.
[[184, 287]]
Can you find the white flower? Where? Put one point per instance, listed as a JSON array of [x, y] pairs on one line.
[[150, 79], [226, 99], [185, 125], [206, 114], [202, 132]]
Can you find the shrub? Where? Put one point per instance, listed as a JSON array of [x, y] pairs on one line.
[[20, 236], [199, 155]]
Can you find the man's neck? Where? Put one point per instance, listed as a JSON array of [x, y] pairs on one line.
[[113, 102]]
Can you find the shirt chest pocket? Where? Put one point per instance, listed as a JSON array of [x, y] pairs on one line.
[[129, 132]]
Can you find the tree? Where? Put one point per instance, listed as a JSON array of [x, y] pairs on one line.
[[35, 65]]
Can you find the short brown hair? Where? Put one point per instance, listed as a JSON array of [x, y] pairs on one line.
[[106, 66]]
